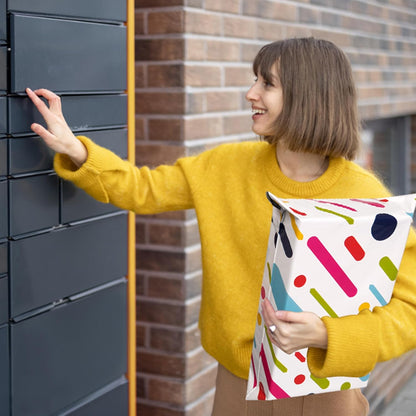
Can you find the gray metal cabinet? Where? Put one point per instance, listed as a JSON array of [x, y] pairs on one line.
[[60, 355], [4, 299], [34, 204], [66, 55], [109, 401], [4, 370], [3, 116], [82, 112], [3, 69], [29, 154], [3, 157], [3, 210], [47, 267], [111, 10], [3, 22]]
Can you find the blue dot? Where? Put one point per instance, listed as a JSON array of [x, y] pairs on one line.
[[383, 226]]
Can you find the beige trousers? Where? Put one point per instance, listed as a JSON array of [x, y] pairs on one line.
[[230, 400]]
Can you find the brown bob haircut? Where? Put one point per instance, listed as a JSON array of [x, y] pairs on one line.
[[319, 112]]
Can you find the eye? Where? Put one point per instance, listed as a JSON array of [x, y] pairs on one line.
[[267, 84]]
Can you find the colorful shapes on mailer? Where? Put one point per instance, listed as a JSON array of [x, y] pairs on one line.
[[323, 303], [346, 385], [254, 370], [262, 394], [372, 203], [378, 295], [363, 306], [346, 218], [269, 271], [298, 234], [275, 239], [274, 389], [383, 226], [323, 383], [297, 212], [354, 247], [287, 248], [365, 378], [299, 379], [333, 268], [388, 267], [338, 205], [259, 320], [263, 292], [277, 363], [299, 280], [282, 299], [300, 356]]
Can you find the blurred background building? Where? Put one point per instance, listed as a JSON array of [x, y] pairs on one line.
[[193, 67]]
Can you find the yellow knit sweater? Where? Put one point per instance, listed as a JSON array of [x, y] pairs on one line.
[[227, 186]]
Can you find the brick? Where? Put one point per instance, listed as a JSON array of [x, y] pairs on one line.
[[298, 31], [160, 312], [198, 128], [141, 387], [201, 384], [159, 102], [173, 234], [159, 49], [240, 27], [223, 100], [199, 4], [165, 75], [158, 409], [203, 407], [139, 23], [203, 23], [197, 362], [159, 260], [169, 129], [307, 15], [223, 50], [168, 339], [167, 391], [157, 3], [229, 6], [140, 128], [270, 10], [202, 76], [157, 154], [140, 284], [249, 51], [239, 76], [270, 31], [169, 365], [195, 103], [166, 22], [140, 75], [237, 124], [166, 288], [195, 49], [192, 312]]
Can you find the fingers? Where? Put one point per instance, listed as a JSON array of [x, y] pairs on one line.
[[54, 102]]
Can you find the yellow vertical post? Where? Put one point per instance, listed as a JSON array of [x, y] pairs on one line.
[[131, 373]]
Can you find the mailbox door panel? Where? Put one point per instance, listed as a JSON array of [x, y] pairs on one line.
[[3, 70], [93, 9], [51, 266], [66, 56], [3, 210], [4, 371], [3, 22], [107, 402], [77, 347], [4, 300], [81, 112], [3, 157], [3, 116], [29, 154], [34, 203]]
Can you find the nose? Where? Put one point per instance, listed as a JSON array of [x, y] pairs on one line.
[[252, 93]]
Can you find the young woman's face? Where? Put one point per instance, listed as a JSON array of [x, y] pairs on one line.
[[266, 100]]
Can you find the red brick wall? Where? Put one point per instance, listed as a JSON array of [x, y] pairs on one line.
[[193, 67]]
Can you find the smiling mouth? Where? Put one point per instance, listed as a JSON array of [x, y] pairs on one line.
[[258, 111]]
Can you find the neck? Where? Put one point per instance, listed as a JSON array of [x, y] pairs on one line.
[[298, 166]]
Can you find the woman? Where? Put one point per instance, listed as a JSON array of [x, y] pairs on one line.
[[304, 106]]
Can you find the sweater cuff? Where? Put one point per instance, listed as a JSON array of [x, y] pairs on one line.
[[352, 347]]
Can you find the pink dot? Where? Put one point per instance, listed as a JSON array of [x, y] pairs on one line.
[[263, 292], [300, 280], [299, 379]]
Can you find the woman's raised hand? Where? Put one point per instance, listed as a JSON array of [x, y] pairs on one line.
[[58, 136]]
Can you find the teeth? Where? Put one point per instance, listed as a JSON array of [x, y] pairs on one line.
[[258, 111]]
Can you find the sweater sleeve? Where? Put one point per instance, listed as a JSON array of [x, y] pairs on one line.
[[110, 179], [357, 342]]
